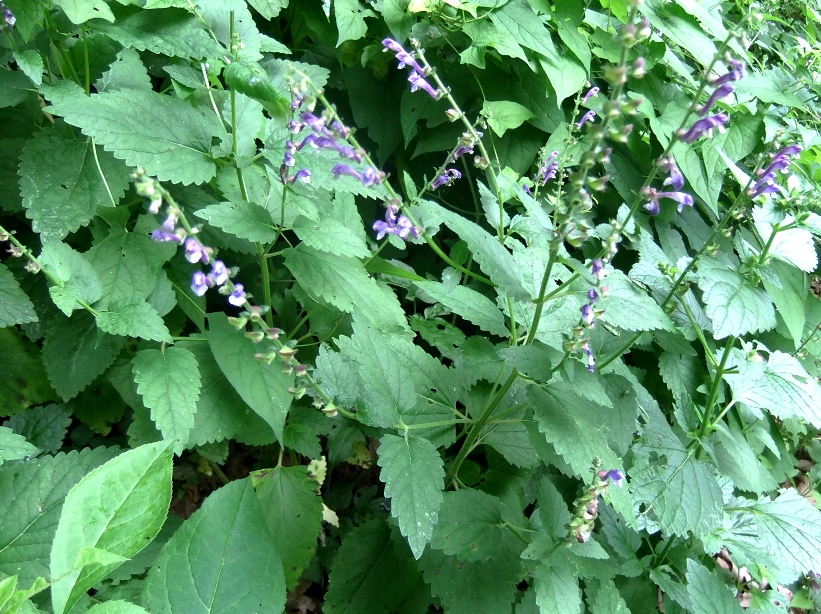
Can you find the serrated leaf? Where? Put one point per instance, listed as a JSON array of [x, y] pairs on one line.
[[671, 488], [734, 306], [75, 352], [787, 529], [469, 304], [29, 13], [223, 559], [242, 219], [75, 277], [470, 525], [117, 607], [263, 387], [794, 246], [344, 283], [44, 427], [80, 11], [31, 499], [126, 72], [170, 32], [780, 385], [557, 589], [494, 260], [31, 63], [629, 307], [15, 306], [735, 458], [371, 572], [119, 507], [165, 135], [708, 593], [14, 446], [413, 473], [607, 600], [133, 317], [169, 382], [790, 298], [293, 513], [217, 15]]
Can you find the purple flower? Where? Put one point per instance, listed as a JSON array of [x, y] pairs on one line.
[[616, 476], [417, 82], [548, 169], [598, 270], [161, 236], [676, 179], [339, 130], [589, 116], [462, 150], [9, 17], [683, 199], [407, 59], [195, 251], [370, 176], [588, 315], [170, 222], [344, 169], [317, 124], [304, 175], [295, 127], [527, 190], [400, 226], [308, 140], [154, 205], [722, 91], [736, 73], [199, 283], [446, 178], [591, 93], [591, 359], [706, 126], [767, 181], [237, 297], [592, 296], [392, 45], [219, 273]]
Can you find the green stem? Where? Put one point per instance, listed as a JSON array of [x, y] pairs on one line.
[[87, 63], [540, 302], [715, 389]]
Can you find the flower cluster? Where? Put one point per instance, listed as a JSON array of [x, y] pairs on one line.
[[417, 74], [8, 16], [766, 183], [589, 315], [395, 224], [676, 181], [708, 123], [586, 507], [548, 169]]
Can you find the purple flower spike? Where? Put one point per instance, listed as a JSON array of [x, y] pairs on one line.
[[591, 359], [598, 270], [400, 226], [199, 283], [407, 59], [588, 315], [587, 117], [591, 93], [381, 228], [706, 126], [308, 140], [462, 150], [219, 273], [446, 178], [722, 91], [418, 82], [162, 236], [196, 251], [237, 297], [391, 45], [734, 74], [616, 476]]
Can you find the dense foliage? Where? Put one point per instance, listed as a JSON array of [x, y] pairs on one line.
[[461, 306]]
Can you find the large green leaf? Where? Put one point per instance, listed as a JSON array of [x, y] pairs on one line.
[[169, 382], [504, 115], [44, 427], [132, 316], [118, 508], [371, 572], [734, 306], [75, 352], [293, 513], [263, 387], [29, 13], [14, 446], [707, 591], [344, 283], [76, 280], [470, 525], [629, 307], [557, 588], [165, 135], [63, 181], [350, 21], [470, 304], [221, 561], [117, 607], [242, 219], [413, 473], [80, 11], [15, 306]]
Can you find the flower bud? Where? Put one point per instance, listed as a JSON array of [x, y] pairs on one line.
[[32, 266], [287, 352], [481, 162], [267, 358], [238, 323], [612, 108], [330, 410], [453, 115], [256, 335], [616, 75]]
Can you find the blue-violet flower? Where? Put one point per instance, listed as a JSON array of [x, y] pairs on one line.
[[237, 297], [199, 283], [589, 116], [706, 125]]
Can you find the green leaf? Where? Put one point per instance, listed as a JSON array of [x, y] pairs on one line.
[[780, 385], [344, 283], [469, 304], [504, 115], [15, 306], [80, 11], [790, 297], [31, 63], [31, 500], [165, 135], [490, 255], [119, 507], [607, 600], [735, 458], [126, 72], [217, 15], [44, 427], [133, 317], [708, 593], [263, 387], [14, 446], [170, 32], [629, 307], [671, 488], [470, 525], [29, 13], [169, 382], [794, 246], [557, 589], [350, 21], [526, 28], [371, 572], [734, 306], [75, 352], [269, 8], [414, 478], [786, 530], [222, 560], [76, 279], [293, 513], [773, 85], [244, 220], [338, 231], [117, 607], [15, 87]]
